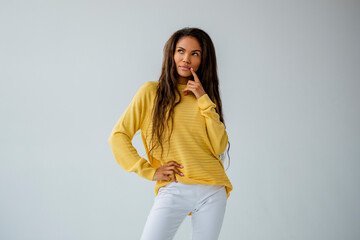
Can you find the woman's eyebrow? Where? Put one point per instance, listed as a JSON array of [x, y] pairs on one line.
[[193, 50]]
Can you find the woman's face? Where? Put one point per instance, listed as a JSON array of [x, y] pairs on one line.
[[187, 55]]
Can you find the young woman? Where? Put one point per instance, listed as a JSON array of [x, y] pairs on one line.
[[183, 132]]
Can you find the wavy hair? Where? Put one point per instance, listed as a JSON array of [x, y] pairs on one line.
[[165, 100]]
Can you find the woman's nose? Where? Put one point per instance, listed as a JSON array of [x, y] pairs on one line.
[[186, 58]]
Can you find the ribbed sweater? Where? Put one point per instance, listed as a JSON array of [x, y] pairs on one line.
[[197, 139]]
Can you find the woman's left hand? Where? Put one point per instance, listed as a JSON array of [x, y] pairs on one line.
[[194, 86]]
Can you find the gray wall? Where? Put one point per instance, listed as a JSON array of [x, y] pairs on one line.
[[289, 73]]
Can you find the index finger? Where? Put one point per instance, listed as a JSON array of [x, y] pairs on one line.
[[195, 75], [171, 163]]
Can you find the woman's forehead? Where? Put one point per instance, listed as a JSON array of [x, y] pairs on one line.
[[189, 43]]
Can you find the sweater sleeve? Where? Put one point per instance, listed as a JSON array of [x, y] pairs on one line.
[[215, 128], [122, 134]]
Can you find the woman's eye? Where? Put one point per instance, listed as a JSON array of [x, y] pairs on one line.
[[180, 51], [196, 54]]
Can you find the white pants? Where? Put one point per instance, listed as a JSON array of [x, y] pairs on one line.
[[176, 200]]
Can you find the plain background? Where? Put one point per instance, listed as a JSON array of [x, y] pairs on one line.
[[289, 79]]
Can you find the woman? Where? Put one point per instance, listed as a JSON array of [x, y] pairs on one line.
[[180, 116]]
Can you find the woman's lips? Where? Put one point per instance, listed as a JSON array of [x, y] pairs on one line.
[[185, 68]]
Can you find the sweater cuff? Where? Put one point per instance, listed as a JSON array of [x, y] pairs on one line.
[[205, 102], [148, 173], [144, 169]]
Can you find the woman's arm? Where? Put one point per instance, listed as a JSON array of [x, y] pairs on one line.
[[215, 128], [123, 132]]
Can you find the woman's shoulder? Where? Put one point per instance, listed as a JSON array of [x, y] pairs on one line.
[[148, 87]]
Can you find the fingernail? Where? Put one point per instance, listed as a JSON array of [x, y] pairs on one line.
[[181, 166], [181, 174], [192, 69]]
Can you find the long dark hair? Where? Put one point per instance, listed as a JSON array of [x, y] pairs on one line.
[[165, 100]]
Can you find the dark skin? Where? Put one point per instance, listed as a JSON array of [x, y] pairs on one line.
[[170, 169], [194, 86]]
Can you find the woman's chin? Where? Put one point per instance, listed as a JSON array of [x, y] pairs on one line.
[[184, 75]]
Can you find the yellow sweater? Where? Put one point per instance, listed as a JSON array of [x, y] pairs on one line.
[[198, 138]]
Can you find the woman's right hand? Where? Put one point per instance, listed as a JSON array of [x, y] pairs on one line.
[[165, 171]]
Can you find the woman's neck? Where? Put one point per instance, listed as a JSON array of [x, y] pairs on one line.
[[182, 80]]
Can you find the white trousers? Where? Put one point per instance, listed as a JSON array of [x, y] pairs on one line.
[[176, 200]]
